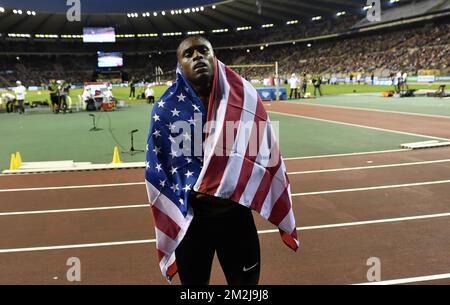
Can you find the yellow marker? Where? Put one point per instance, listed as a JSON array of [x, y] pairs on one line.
[[116, 157], [12, 163], [18, 160]]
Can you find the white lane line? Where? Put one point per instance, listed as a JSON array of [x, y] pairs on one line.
[[349, 154], [362, 223], [135, 206], [362, 126], [380, 187], [368, 167], [375, 110], [295, 194], [410, 280], [93, 245], [70, 187], [146, 241]]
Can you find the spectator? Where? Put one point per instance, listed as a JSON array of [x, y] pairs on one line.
[[20, 92], [293, 84]]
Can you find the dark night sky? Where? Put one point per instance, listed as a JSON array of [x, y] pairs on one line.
[[105, 6]]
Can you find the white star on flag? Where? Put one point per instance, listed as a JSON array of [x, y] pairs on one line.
[[181, 97], [162, 183], [174, 187], [181, 201], [173, 153], [173, 170], [186, 136], [161, 104], [157, 133], [147, 165], [157, 150], [196, 108], [171, 126], [175, 112], [187, 187], [156, 117], [158, 167], [188, 160], [188, 174]]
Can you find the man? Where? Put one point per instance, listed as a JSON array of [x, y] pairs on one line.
[[132, 89], [150, 94], [63, 92], [317, 81], [293, 84], [10, 101], [304, 84], [54, 97], [200, 207], [20, 92]]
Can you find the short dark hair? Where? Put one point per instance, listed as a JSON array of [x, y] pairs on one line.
[[199, 37]]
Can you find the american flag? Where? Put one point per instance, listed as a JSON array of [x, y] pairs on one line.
[[189, 148]]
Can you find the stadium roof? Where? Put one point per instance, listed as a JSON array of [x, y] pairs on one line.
[[169, 16]]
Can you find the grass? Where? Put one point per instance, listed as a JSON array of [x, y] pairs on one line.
[[417, 105], [42, 136], [122, 93]]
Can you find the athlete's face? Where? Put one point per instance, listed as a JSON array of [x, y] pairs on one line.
[[196, 57]]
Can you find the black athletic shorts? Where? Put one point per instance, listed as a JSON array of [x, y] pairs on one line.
[[227, 229]]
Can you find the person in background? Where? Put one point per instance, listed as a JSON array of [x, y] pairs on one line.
[[20, 92], [132, 88], [53, 88], [293, 83], [150, 94], [405, 85], [317, 82], [9, 99], [63, 89], [304, 83]]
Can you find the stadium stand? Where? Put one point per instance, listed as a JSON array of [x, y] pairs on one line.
[[329, 46]]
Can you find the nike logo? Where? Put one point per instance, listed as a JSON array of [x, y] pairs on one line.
[[247, 269]]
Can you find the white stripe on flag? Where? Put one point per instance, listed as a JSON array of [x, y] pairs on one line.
[[214, 135], [252, 185], [165, 243], [264, 149], [166, 262], [258, 172], [288, 223], [276, 189], [166, 206], [228, 183]]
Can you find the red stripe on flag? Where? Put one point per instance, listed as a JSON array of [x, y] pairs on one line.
[[215, 92], [217, 164], [160, 254], [248, 163], [290, 239], [172, 270], [165, 224], [265, 185], [280, 208]]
